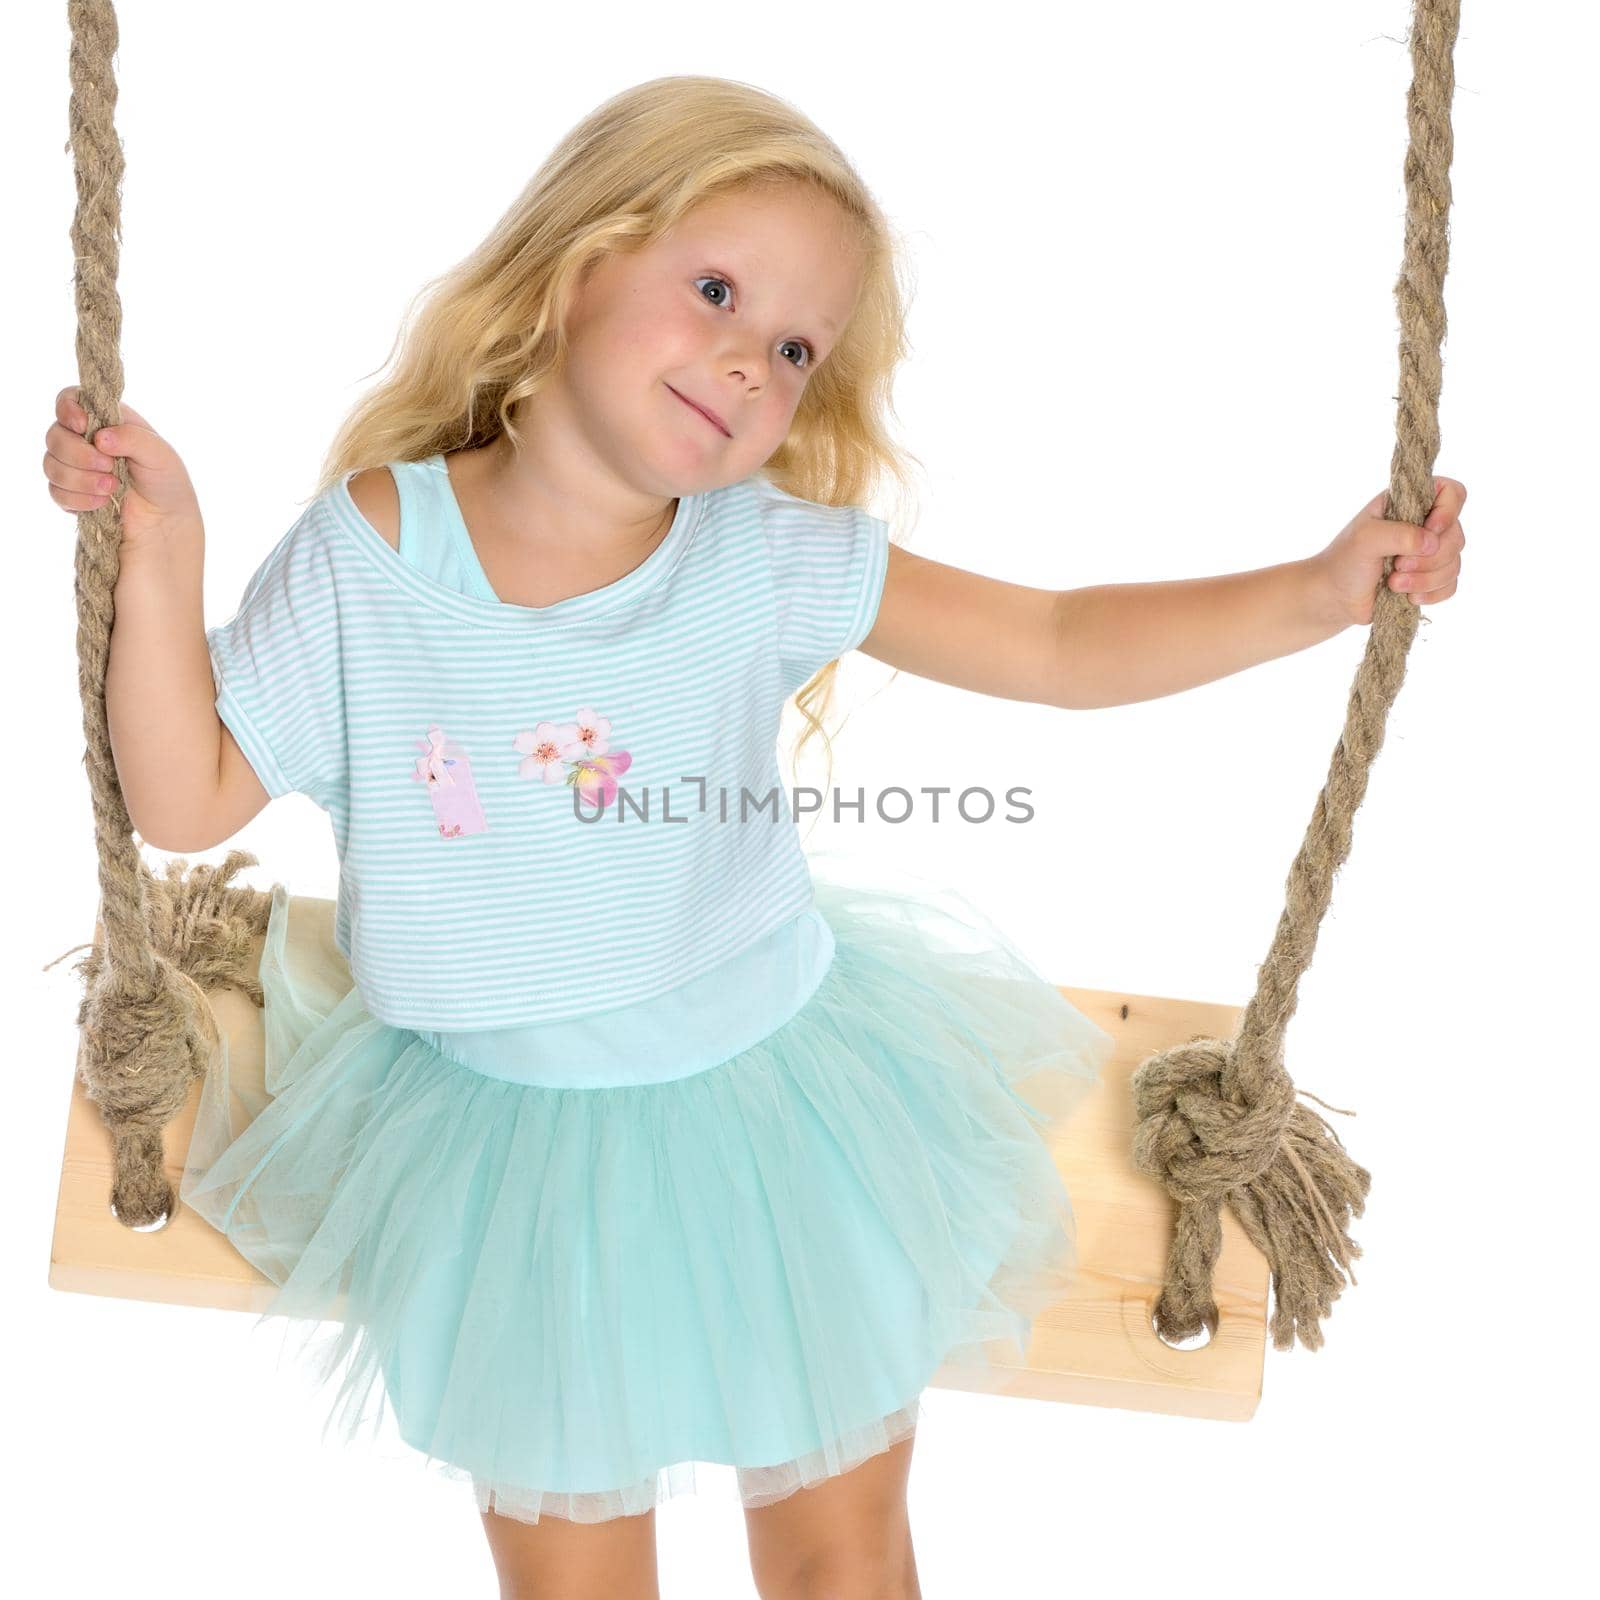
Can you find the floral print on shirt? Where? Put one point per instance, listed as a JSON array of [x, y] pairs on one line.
[[577, 752]]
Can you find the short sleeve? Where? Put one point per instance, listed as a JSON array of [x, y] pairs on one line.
[[277, 669], [828, 569]]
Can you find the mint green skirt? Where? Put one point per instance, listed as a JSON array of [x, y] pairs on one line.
[[570, 1293]]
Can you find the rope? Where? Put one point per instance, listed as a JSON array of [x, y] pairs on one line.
[[1218, 1119], [146, 1027]]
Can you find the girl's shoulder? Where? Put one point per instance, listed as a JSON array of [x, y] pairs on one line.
[[377, 498]]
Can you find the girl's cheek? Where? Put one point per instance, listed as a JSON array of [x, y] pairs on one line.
[[665, 328]]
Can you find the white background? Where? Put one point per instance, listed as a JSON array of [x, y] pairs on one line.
[[1155, 333]]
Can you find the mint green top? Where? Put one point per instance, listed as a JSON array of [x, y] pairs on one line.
[[553, 814]]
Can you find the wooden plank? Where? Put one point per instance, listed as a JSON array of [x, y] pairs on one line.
[[1097, 1346], [1094, 1347]]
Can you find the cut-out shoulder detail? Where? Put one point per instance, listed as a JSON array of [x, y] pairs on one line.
[[378, 500]]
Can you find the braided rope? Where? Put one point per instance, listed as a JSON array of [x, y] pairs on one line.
[[1218, 1120], [146, 1028]]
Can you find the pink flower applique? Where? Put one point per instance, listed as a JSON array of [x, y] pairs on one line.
[[547, 749], [594, 732], [577, 752], [596, 778]]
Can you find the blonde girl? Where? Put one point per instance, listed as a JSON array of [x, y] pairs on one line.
[[614, 1136]]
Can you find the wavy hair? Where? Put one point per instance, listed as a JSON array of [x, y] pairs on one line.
[[491, 331]]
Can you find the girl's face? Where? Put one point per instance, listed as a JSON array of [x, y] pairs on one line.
[[733, 310]]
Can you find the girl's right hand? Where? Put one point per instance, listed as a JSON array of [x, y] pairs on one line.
[[159, 500]]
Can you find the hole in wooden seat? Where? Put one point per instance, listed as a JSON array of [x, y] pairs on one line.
[[1196, 1341], [144, 1227]]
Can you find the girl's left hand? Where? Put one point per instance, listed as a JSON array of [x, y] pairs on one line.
[[1428, 564]]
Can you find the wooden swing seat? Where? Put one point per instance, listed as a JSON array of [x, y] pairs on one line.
[[1095, 1347]]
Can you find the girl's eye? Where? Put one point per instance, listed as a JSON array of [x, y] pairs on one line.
[[722, 281], [727, 287]]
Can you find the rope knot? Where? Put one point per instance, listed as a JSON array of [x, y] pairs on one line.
[[146, 1028], [1218, 1120], [1196, 1138]]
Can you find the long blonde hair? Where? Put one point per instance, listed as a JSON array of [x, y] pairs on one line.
[[491, 331]]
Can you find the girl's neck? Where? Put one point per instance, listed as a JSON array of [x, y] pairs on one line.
[[529, 554]]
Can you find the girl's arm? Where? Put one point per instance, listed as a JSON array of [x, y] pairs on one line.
[[186, 783], [1081, 649], [1113, 644]]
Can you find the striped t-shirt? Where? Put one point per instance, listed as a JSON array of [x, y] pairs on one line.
[[545, 811]]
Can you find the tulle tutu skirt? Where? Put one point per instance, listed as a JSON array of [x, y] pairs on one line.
[[571, 1295]]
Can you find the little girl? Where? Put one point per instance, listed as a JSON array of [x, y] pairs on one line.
[[614, 1137]]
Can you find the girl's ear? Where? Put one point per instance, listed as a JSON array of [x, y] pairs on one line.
[[578, 297]]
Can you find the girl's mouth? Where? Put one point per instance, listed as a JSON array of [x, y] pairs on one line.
[[706, 414]]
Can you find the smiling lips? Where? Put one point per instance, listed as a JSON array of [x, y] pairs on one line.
[[710, 417]]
